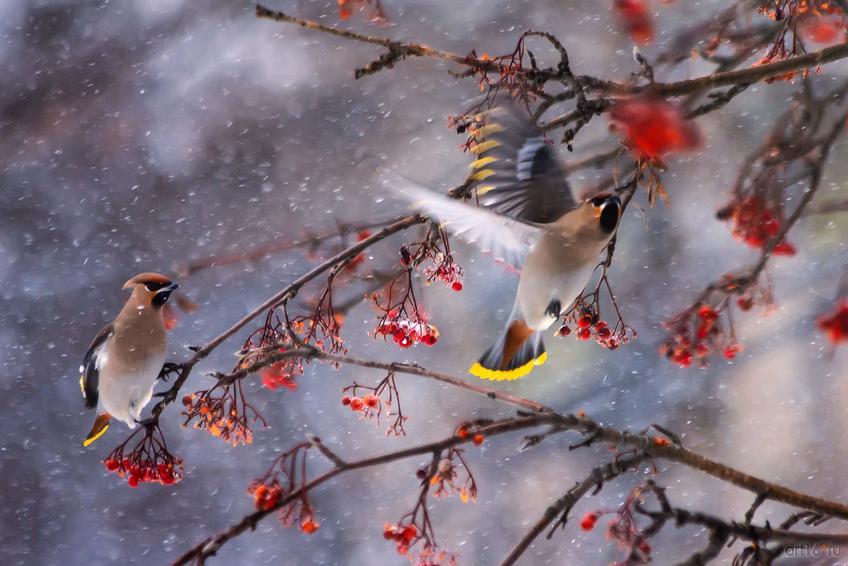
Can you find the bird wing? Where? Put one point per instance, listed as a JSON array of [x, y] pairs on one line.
[[90, 368], [517, 173], [507, 239]]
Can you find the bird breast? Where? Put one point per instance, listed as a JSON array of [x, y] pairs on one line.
[[556, 268]]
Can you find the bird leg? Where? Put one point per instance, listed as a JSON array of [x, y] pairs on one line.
[[554, 308], [148, 422]]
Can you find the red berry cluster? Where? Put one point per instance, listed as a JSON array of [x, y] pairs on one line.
[[635, 17], [823, 29], [145, 471], [588, 325], [835, 324], [445, 270], [697, 333], [373, 402], [266, 497], [653, 127], [223, 411], [755, 222], [404, 535], [367, 405], [148, 462], [624, 528], [279, 374], [407, 333]]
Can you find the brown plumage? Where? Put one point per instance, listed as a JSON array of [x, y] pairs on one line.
[[125, 359]]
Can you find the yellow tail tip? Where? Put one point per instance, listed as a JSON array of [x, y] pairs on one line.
[[92, 436], [506, 375]]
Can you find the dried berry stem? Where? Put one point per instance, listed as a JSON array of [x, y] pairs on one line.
[[596, 478], [286, 293]]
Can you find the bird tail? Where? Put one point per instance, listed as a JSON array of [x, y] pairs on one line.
[[517, 351], [101, 424]]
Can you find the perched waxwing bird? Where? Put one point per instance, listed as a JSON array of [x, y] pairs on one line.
[[126, 357], [525, 215]]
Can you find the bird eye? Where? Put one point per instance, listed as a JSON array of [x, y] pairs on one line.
[[598, 201]]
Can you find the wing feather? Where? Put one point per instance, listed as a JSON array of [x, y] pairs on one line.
[[516, 170], [507, 239], [90, 368]]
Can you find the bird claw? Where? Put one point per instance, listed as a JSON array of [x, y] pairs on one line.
[[167, 369], [554, 308]]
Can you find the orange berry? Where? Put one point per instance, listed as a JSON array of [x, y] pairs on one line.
[[478, 439]]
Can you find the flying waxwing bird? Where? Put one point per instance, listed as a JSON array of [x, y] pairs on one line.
[[528, 218], [125, 359]]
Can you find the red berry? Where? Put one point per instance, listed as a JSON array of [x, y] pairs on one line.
[[111, 464], [588, 521], [133, 480], [784, 248], [457, 286], [707, 312], [388, 531], [409, 534], [584, 334], [308, 526], [564, 330], [356, 404], [745, 303], [731, 351], [345, 400], [585, 321], [478, 439]]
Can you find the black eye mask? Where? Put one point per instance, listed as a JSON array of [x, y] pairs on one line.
[[159, 299], [153, 287]]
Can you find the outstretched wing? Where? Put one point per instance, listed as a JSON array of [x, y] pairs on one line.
[[516, 172], [90, 368], [505, 238]]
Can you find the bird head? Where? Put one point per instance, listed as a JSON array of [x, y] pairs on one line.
[[606, 210], [151, 288]]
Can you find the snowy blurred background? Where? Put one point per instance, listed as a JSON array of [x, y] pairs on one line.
[[142, 133]]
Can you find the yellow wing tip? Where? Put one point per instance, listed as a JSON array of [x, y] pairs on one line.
[[506, 375], [484, 146], [82, 384], [482, 162], [90, 440], [482, 175]]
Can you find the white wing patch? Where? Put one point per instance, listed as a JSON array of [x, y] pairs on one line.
[[506, 239]]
